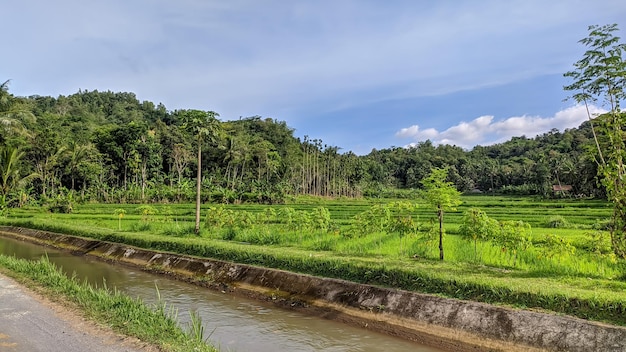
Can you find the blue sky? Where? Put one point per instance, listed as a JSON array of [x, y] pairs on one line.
[[357, 74]]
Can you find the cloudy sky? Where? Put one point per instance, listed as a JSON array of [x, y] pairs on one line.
[[358, 74]]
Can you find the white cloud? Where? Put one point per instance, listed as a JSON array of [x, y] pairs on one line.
[[484, 130], [248, 55]]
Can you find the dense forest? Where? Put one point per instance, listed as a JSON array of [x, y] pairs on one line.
[[111, 147]]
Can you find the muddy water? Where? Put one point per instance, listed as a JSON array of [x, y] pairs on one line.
[[231, 323]]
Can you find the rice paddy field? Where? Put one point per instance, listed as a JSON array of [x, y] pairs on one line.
[[555, 257]]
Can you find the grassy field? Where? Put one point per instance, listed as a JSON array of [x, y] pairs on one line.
[[566, 265]]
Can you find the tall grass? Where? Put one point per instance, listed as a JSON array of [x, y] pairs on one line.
[[124, 314]]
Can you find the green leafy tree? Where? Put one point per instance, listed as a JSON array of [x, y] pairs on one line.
[[77, 156], [601, 75], [403, 219], [320, 218], [477, 226], [441, 195], [556, 247], [206, 128], [513, 237], [146, 211]]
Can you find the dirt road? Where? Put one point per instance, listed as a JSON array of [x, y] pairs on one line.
[[32, 323]]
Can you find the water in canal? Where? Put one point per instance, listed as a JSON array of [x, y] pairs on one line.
[[234, 323]]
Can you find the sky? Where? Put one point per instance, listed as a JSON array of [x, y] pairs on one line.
[[357, 74]]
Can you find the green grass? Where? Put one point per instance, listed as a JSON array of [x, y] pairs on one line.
[[587, 282], [111, 308]]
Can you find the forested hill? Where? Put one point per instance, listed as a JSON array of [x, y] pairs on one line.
[[111, 147]]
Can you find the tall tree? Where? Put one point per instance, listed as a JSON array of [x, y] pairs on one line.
[[441, 195], [601, 74], [77, 155], [206, 128], [12, 115], [10, 173]]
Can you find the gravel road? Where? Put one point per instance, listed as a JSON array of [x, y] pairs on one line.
[[31, 323]]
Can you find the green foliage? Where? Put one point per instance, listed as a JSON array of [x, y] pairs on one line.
[[196, 329], [268, 216], [10, 171], [438, 192], [598, 243], [557, 221], [477, 227], [376, 219], [403, 219], [555, 246], [206, 128], [287, 216], [120, 212], [61, 204], [146, 212], [357, 228], [217, 216], [441, 195], [111, 147], [302, 222], [320, 219], [515, 287], [513, 237], [178, 231], [4, 206], [601, 74]]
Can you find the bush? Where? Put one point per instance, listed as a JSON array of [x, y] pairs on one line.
[[60, 205], [602, 224], [229, 234], [557, 221], [140, 227]]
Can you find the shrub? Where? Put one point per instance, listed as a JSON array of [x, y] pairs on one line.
[[514, 237], [60, 205], [477, 226], [602, 224], [557, 221], [140, 227], [555, 246], [146, 212]]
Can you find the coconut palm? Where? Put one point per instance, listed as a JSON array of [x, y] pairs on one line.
[[10, 173], [12, 115]]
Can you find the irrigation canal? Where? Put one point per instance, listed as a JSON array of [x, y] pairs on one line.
[[231, 323]]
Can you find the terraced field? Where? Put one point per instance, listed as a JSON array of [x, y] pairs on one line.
[[564, 264]]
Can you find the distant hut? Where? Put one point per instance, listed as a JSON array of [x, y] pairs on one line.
[[562, 189]]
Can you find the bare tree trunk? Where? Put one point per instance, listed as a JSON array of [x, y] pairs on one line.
[[440, 215], [198, 187]]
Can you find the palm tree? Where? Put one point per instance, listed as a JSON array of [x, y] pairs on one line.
[[12, 115], [78, 153], [206, 128], [10, 175]]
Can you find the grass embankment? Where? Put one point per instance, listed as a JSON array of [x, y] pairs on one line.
[[586, 283], [120, 312]]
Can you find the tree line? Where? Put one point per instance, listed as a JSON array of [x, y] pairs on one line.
[[111, 147]]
